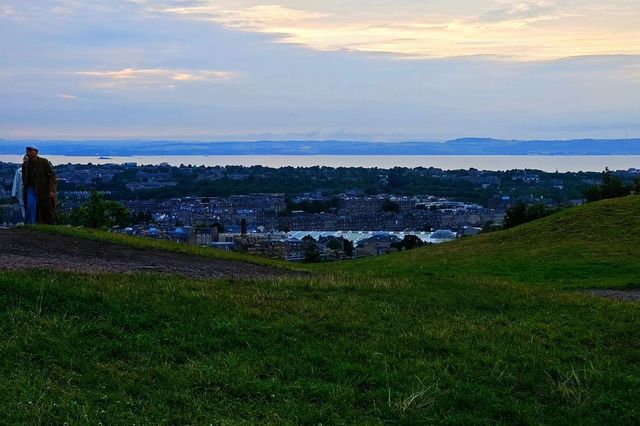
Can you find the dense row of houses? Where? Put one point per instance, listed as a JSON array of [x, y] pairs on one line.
[[264, 211]]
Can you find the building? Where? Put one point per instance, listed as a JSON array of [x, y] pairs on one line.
[[376, 245]]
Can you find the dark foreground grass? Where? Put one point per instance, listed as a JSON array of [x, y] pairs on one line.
[[149, 349]]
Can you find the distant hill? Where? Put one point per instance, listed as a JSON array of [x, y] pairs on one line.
[[469, 146]]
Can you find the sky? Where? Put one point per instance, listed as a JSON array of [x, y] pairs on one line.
[[332, 69]]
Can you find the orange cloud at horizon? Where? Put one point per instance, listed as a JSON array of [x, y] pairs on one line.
[[519, 33]]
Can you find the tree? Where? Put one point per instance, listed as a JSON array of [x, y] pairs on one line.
[[537, 211], [311, 252], [390, 206], [409, 242], [396, 177], [610, 187], [523, 213], [334, 244], [348, 247], [490, 226], [98, 212], [515, 215]]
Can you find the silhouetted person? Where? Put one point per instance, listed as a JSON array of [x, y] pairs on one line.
[[17, 190], [39, 182]]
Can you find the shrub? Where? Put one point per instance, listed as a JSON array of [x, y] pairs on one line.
[[523, 213], [98, 212]]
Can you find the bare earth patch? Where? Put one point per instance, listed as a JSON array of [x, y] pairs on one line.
[[22, 249], [628, 295]]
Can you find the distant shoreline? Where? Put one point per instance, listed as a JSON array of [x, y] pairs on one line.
[[109, 157], [459, 147], [586, 163]]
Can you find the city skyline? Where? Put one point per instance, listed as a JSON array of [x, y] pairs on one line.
[[362, 70]]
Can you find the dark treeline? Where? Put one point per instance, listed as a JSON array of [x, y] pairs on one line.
[[327, 181]]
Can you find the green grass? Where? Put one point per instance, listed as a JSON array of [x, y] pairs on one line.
[[124, 349], [446, 334]]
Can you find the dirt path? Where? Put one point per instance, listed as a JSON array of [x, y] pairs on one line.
[[628, 295], [22, 249]]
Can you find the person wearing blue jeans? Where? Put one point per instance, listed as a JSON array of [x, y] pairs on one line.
[[31, 207]]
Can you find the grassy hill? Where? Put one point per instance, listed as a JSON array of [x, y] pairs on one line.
[[595, 245], [485, 330]]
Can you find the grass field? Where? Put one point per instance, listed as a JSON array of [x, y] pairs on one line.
[[491, 329]]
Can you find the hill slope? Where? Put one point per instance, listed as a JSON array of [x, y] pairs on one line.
[[595, 245], [456, 342]]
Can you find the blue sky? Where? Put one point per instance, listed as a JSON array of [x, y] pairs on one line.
[[349, 69]]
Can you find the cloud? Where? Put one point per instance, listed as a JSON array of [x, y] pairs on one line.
[[515, 29], [231, 67], [7, 10], [527, 11], [130, 77], [260, 17]]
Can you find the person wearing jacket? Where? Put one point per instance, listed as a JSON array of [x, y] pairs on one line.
[[17, 190], [39, 181]]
